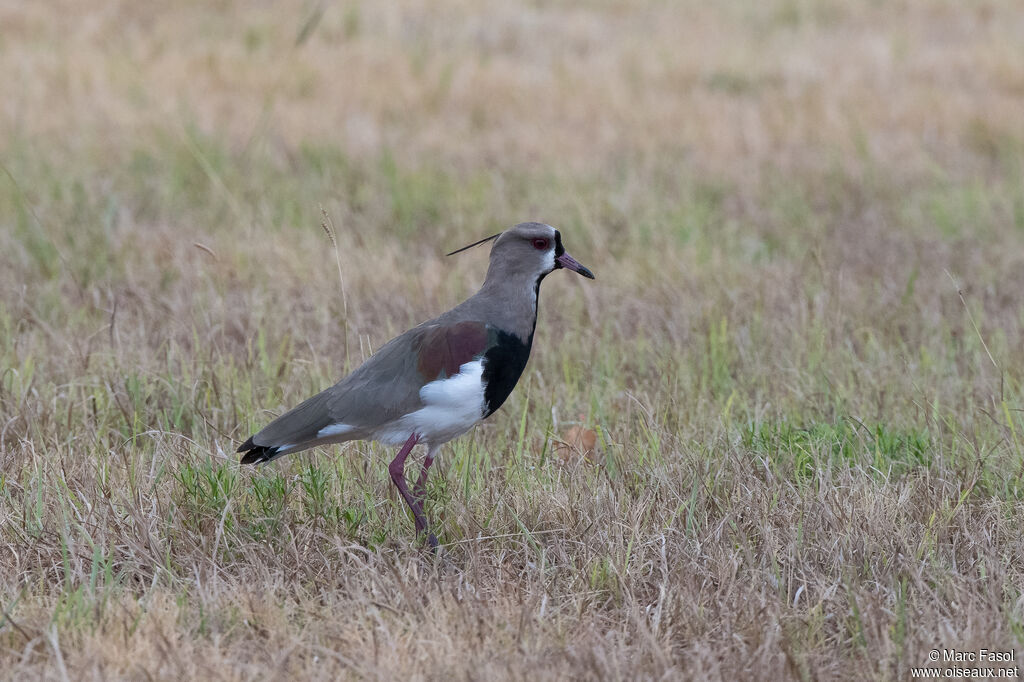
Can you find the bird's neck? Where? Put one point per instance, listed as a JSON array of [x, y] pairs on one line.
[[512, 302]]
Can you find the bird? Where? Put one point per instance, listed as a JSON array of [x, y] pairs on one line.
[[439, 379]]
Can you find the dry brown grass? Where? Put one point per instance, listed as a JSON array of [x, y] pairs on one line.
[[802, 356]]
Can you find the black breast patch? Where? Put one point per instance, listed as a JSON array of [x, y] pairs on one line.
[[504, 363]]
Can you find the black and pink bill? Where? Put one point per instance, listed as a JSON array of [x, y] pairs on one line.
[[569, 263]]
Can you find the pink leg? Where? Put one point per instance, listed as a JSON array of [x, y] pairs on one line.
[[397, 471], [420, 489]]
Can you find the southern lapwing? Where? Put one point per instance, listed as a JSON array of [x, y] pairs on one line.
[[435, 381]]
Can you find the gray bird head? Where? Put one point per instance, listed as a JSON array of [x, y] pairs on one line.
[[528, 251]]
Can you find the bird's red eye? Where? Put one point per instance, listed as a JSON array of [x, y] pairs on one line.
[[540, 244]]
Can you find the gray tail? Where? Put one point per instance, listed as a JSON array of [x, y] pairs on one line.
[[257, 454]]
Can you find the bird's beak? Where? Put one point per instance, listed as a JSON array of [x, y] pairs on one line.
[[569, 263]]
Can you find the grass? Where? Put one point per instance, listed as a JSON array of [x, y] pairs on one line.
[[801, 356]]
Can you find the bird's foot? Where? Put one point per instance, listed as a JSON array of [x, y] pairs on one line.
[[422, 532]]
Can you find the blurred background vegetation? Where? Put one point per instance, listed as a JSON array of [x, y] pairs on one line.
[[801, 358]]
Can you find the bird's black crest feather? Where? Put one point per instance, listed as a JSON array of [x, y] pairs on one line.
[[485, 239]]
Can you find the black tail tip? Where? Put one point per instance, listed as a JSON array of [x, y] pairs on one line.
[[254, 454]]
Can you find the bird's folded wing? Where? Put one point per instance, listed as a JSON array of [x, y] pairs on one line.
[[383, 389]]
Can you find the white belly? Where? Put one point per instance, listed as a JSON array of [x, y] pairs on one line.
[[451, 406]]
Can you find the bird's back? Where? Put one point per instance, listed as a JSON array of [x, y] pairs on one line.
[[465, 366]]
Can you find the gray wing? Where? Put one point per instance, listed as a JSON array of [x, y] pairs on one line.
[[381, 390]]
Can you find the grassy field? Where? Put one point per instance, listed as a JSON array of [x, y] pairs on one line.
[[802, 356]]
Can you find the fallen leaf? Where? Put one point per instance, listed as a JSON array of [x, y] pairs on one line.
[[578, 442]]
